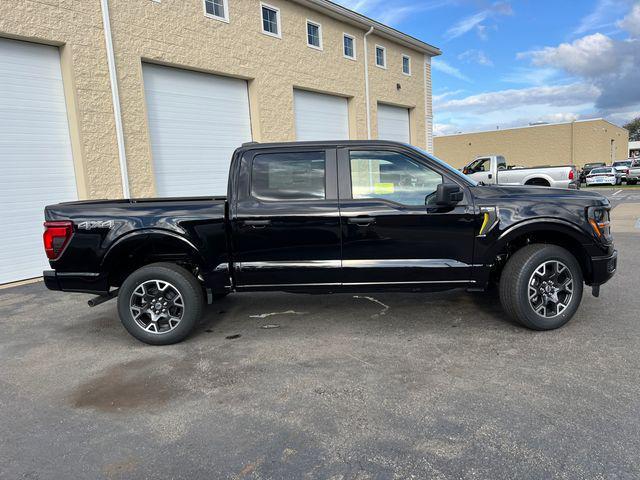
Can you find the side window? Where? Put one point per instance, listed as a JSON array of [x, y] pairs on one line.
[[288, 176], [502, 163], [391, 176], [480, 165]]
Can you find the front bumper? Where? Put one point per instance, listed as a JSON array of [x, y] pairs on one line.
[[83, 282], [603, 268]]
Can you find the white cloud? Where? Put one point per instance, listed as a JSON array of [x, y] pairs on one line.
[[613, 66], [586, 56], [603, 15], [476, 20], [558, 96], [631, 23], [392, 13], [444, 129], [446, 94], [476, 56], [444, 67], [530, 76]]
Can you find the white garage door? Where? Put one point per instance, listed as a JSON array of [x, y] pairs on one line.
[[196, 121], [36, 163], [393, 123], [320, 116]]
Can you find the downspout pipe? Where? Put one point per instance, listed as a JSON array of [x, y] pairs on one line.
[[111, 61], [366, 83]]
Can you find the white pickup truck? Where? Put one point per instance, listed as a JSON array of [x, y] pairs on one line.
[[493, 169]]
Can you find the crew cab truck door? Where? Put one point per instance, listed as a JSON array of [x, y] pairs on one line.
[[285, 226], [390, 236]]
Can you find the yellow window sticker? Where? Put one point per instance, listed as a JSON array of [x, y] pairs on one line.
[[383, 188]]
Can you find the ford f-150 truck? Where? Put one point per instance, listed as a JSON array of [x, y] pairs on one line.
[[320, 217], [494, 169]]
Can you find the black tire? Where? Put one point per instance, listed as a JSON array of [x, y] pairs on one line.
[[632, 182], [182, 281], [514, 286]]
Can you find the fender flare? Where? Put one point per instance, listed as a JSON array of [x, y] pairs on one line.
[[546, 224], [148, 235]]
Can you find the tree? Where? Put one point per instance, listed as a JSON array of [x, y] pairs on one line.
[[634, 129]]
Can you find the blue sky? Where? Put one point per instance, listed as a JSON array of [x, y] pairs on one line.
[[509, 63]]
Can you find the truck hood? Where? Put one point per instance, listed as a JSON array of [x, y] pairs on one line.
[[527, 194]]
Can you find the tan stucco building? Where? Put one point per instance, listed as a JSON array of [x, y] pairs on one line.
[[137, 98], [222, 38], [577, 143]]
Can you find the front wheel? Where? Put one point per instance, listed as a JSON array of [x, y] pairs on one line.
[[541, 286], [160, 304]]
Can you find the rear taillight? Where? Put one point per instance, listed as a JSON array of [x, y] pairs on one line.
[[56, 236], [570, 174]]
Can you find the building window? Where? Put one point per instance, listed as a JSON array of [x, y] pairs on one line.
[[270, 20], [349, 46], [381, 57], [314, 35], [216, 9], [406, 64]]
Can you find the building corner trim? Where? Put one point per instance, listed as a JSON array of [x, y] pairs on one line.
[[111, 61]]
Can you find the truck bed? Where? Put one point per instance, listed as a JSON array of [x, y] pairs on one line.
[[103, 228]]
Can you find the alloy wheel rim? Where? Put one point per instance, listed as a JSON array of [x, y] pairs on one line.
[[550, 289], [156, 306]]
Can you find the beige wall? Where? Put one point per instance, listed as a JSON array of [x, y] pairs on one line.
[[177, 33], [556, 144]]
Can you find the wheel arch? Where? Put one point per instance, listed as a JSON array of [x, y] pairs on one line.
[[549, 231], [143, 247], [538, 179]]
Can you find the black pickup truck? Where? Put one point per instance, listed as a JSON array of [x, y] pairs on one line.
[[319, 217]]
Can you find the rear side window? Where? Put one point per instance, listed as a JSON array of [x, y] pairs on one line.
[[288, 176]]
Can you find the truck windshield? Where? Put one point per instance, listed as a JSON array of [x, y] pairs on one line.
[[445, 165]]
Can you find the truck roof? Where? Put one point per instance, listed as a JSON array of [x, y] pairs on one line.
[[323, 143]]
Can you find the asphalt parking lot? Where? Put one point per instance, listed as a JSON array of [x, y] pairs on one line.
[[341, 387]]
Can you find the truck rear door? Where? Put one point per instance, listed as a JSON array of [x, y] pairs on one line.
[[285, 222]]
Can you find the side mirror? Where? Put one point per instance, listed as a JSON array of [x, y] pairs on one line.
[[448, 195], [466, 171]]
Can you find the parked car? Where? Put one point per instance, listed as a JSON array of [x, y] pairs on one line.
[[603, 176], [634, 172], [622, 169], [493, 169], [322, 217], [587, 169]]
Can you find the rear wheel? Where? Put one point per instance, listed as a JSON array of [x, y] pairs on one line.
[[160, 304], [541, 286]]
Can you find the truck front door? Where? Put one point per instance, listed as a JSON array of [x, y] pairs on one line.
[[481, 170], [285, 223], [393, 232]]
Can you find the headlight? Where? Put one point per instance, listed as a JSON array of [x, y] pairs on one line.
[[598, 218]]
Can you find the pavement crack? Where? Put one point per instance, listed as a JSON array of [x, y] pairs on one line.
[[375, 300], [271, 314]]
